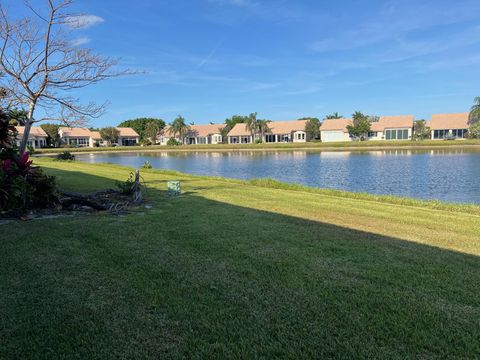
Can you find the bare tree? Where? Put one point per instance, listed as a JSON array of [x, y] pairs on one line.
[[42, 65]]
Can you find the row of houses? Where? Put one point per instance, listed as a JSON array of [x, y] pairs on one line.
[[332, 130], [77, 137], [452, 126], [442, 126]]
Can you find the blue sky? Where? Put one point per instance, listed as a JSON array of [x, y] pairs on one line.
[[285, 59]]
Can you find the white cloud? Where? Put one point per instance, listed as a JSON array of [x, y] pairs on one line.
[[84, 21], [80, 41]]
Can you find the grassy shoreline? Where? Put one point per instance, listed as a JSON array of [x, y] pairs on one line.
[[241, 269], [313, 146]]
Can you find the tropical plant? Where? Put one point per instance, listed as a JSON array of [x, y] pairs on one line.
[[335, 115], [179, 128], [361, 126], [109, 134], [474, 116], [252, 125], [22, 186], [263, 128], [312, 128], [147, 165], [421, 131]]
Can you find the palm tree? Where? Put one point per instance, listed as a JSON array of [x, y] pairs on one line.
[[262, 126], [179, 127], [474, 115], [252, 125], [335, 115]]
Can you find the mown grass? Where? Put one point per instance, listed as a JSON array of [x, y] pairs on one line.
[[287, 146], [233, 269]]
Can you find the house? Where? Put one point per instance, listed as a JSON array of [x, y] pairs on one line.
[[392, 128], [36, 139], [197, 135], [78, 137], [83, 137], [279, 132], [449, 126], [335, 130], [127, 137]]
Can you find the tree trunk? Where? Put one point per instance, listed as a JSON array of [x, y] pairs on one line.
[[26, 133]]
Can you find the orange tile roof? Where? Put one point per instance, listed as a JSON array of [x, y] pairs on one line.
[[276, 128], [127, 132], [35, 131], [75, 132], [449, 121], [336, 124], [393, 122], [198, 130]]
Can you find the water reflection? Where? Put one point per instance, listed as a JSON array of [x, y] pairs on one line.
[[449, 175]]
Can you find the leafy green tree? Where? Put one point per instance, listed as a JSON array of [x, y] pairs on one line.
[[252, 125], [474, 131], [335, 115], [109, 134], [151, 131], [474, 116], [18, 117], [312, 128], [361, 126], [140, 124], [53, 138], [179, 128], [421, 131]]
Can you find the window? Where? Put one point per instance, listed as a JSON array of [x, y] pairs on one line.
[[202, 140], [245, 139], [440, 134], [300, 136], [459, 133], [372, 134], [270, 138], [396, 134]]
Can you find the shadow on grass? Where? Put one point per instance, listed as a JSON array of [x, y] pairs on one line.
[[197, 278]]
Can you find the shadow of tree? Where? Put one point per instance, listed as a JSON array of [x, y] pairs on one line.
[[194, 277]]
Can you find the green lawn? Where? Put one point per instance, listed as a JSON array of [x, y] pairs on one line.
[[235, 270], [319, 146]]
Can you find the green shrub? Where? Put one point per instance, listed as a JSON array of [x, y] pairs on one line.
[[173, 142], [258, 141], [66, 156], [127, 186], [147, 165]]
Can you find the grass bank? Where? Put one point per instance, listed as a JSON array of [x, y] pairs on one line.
[[233, 269], [317, 146]]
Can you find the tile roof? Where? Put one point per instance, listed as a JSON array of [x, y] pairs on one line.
[[126, 131], [35, 131], [449, 121], [75, 132], [198, 130], [276, 128], [336, 124], [393, 122]]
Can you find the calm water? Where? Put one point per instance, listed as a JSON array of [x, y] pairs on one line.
[[449, 175]]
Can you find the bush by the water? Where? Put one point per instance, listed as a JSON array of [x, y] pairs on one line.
[[173, 142], [66, 156], [23, 187], [147, 165]]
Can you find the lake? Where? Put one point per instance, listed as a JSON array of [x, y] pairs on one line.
[[448, 175]]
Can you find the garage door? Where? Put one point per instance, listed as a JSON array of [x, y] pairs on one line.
[[331, 136]]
